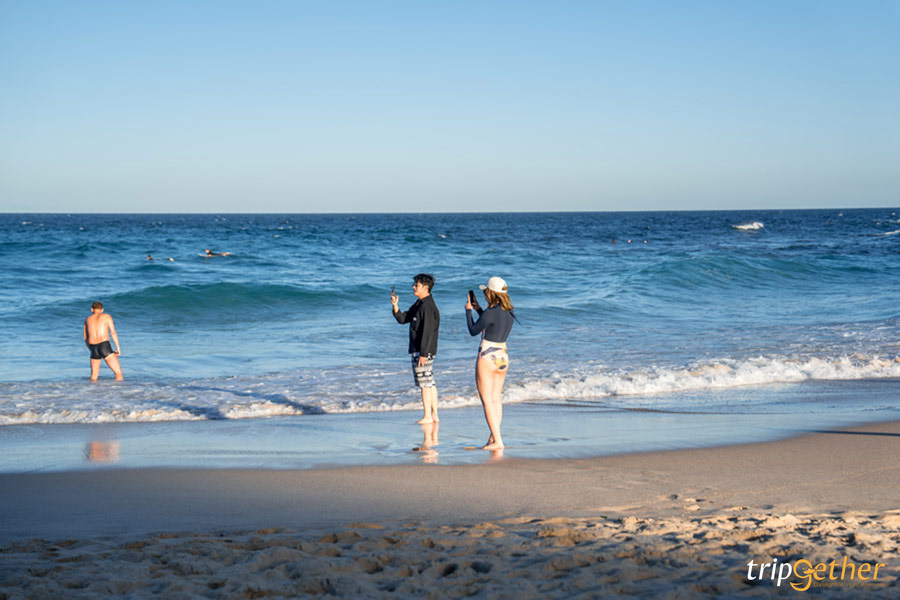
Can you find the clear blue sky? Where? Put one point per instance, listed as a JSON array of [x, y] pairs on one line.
[[380, 106]]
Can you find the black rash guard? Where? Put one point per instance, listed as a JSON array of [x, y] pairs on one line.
[[424, 320], [495, 322]]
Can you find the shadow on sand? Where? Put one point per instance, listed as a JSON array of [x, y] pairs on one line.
[[853, 432]]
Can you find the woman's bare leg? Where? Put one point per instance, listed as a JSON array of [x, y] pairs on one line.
[[483, 383], [498, 377], [486, 381]]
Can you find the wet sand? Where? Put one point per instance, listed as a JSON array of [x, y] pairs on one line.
[[676, 524]]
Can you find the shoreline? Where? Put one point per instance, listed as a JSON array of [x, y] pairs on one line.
[[651, 523], [855, 468], [545, 430]]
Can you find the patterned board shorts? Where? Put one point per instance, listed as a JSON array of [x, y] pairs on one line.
[[424, 376], [495, 352]]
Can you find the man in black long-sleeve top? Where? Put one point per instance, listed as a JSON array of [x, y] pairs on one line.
[[424, 320]]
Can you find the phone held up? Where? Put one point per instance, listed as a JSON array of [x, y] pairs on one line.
[[474, 302]]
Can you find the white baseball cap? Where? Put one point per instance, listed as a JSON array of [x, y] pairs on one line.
[[495, 284]]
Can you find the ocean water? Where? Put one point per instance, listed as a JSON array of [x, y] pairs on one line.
[[636, 310]]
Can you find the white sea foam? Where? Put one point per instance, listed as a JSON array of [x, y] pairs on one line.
[[754, 226], [282, 395], [890, 232], [714, 375]]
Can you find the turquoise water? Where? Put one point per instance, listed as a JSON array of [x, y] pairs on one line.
[[297, 320]]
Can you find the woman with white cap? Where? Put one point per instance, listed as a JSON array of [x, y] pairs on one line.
[[494, 325]]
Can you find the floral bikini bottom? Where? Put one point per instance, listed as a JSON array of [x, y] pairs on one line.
[[494, 352]]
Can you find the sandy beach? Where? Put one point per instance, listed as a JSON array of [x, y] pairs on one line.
[[647, 252], [676, 524]]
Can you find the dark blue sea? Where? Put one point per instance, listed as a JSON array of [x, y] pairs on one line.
[[644, 310]]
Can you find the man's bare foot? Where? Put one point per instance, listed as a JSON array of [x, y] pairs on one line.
[[493, 446], [424, 420]]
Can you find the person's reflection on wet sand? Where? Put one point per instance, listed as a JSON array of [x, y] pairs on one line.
[[429, 441], [101, 451]]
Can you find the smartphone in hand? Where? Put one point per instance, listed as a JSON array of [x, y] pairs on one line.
[[474, 302]]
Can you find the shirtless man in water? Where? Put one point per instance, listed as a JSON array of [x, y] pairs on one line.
[[97, 329]]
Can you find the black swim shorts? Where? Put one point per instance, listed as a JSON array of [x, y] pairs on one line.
[[101, 350]]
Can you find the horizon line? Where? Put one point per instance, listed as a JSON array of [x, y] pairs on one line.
[[467, 212]]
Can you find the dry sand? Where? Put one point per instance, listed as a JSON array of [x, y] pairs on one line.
[[669, 524]]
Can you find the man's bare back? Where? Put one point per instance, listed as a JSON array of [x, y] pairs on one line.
[[98, 327]]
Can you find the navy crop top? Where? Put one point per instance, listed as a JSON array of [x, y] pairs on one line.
[[495, 322]]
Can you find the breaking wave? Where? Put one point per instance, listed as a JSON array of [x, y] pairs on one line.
[[286, 394]]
